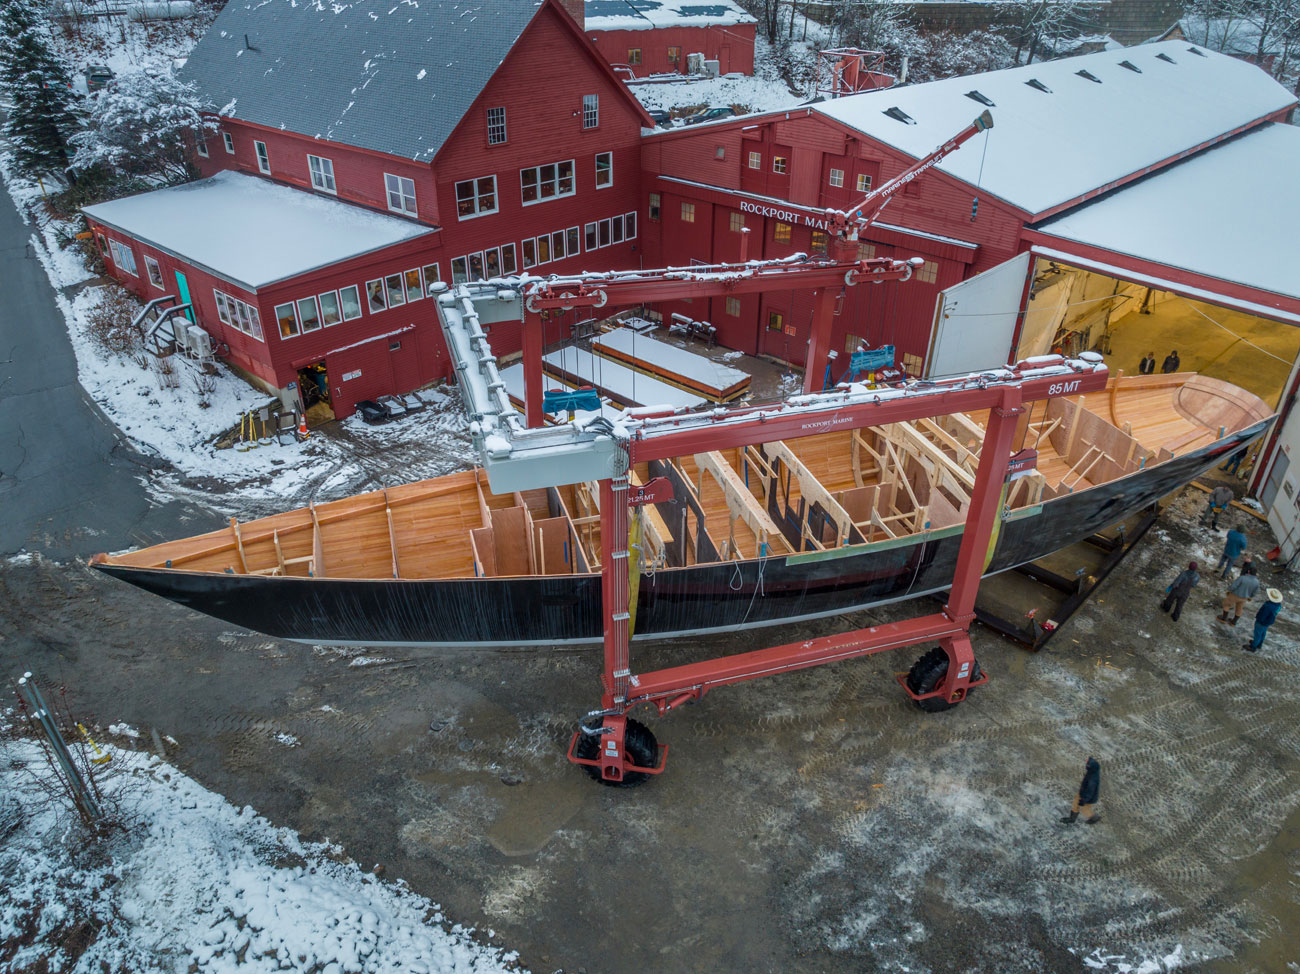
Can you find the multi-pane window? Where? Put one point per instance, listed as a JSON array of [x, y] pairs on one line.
[[837, 177], [496, 126], [818, 242], [737, 221], [605, 233], [928, 272], [674, 55], [243, 316], [912, 364], [154, 271], [350, 299], [263, 157], [401, 194], [604, 169], [476, 197], [308, 316], [781, 232], [123, 257], [864, 183], [779, 164], [634, 55], [590, 111], [286, 319], [229, 141], [322, 173], [688, 212], [733, 307], [375, 299], [330, 311], [866, 251], [775, 321], [756, 160], [655, 201], [546, 182]]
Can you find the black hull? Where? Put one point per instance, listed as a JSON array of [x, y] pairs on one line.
[[566, 608]]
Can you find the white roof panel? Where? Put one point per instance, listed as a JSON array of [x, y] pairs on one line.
[[1049, 147], [655, 14], [1203, 216], [251, 231]]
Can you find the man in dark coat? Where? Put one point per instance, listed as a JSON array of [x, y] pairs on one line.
[[1148, 364], [1232, 550], [1176, 594], [1086, 800], [1264, 618], [1172, 361]]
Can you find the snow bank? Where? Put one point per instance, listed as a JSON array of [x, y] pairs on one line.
[[192, 884]]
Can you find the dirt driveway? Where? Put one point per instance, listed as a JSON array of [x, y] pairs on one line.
[[813, 822]]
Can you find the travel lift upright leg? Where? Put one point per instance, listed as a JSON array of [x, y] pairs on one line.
[[619, 751]]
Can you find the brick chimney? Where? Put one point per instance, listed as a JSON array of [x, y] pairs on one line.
[[577, 10]]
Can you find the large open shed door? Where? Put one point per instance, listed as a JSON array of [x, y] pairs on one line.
[[975, 321]]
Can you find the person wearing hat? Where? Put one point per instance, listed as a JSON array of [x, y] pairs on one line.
[[1176, 594], [1264, 618]]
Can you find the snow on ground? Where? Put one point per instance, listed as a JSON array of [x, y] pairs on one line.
[[192, 883], [125, 45]]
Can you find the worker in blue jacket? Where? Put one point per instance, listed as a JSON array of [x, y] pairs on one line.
[[1232, 549], [1086, 800], [1264, 618]]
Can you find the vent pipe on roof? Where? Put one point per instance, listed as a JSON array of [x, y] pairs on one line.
[[902, 75], [248, 45]]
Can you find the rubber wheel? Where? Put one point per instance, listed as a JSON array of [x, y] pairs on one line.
[[641, 748], [928, 674]]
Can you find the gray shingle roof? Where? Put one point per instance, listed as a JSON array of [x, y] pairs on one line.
[[395, 76]]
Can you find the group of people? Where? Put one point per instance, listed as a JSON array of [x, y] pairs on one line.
[[1148, 364], [1242, 590]]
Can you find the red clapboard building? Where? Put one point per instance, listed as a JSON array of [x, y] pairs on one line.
[[425, 126], [645, 37]]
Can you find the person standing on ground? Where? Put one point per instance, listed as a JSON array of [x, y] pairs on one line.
[[1172, 361], [1148, 364], [1086, 800], [1176, 594], [1219, 500], [1232, 549], [1242, 591], [1264, 618]]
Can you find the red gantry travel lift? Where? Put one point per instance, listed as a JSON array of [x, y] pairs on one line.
[[620, 751]]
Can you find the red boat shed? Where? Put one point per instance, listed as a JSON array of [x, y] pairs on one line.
[[645, 37], [425, 120]]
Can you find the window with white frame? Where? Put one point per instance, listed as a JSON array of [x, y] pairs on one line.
[[308, 316], [230, 142], [414, 292], [322, 174], [779, 164], [286, 319], [616, 229], [573, 237], [756, 160], [496, 126], [154, 271], [543, 244], [395, 285], [604, 169], [629, 226], [201, 144], [263, 157], [401, 194], [350, 298], [546, 182], [123, 257], [331, 312], [459, 270], [837, 177], [864, 183], [242, 316], [509, 263], [590, 111], [530, 251], [431, 274], [476, 197], [375, 299], [590, 234], [476, 266]]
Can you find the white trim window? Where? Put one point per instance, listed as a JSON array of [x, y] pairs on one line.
[[529, 253], [350, 297], [629, 226], [229, 140], [509, 264], [331, 313], [241, 316], [431, 274], [401, 194], [322, 174], [263, 157], [837, 177], [604, 169], [201, 144], [375, 300], [154, 271], [548, 182], [780, 164], [414, 290], [308, 314], [123, 257], [864, 183], [476, 197], [755, 160], [222, 312], [287, 319], [395, 284], [496, 126], [590, 111]]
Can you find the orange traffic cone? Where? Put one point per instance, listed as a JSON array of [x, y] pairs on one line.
[[302, 426]]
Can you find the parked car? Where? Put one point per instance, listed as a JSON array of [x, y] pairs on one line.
[[373, 412], [660, 116], [710, 115], [98, 77]]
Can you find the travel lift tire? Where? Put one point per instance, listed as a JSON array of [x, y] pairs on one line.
[[639, 745], [927, 674]]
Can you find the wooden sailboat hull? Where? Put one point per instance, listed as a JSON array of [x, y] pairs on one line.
[[556, 609]]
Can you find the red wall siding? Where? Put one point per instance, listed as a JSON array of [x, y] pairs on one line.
[[732, 46]]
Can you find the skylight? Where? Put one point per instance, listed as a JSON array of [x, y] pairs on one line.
[[1196, 52], [1035, 83], [982, 98], [899, 115], [1130, 65], [1165, 57], [1089, 75]]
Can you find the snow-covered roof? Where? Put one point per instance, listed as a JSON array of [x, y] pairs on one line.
[[653, 14], [1059, 134], [395, 76], [1228, 213], [250, 231]]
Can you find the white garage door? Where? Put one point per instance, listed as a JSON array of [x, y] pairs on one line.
[[976, 320]]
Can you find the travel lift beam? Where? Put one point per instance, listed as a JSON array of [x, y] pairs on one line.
[[824, 277]]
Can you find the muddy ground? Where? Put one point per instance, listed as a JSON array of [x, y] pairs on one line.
[[812, 822]]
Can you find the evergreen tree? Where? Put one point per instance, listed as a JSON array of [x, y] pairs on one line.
[[37, 85]]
